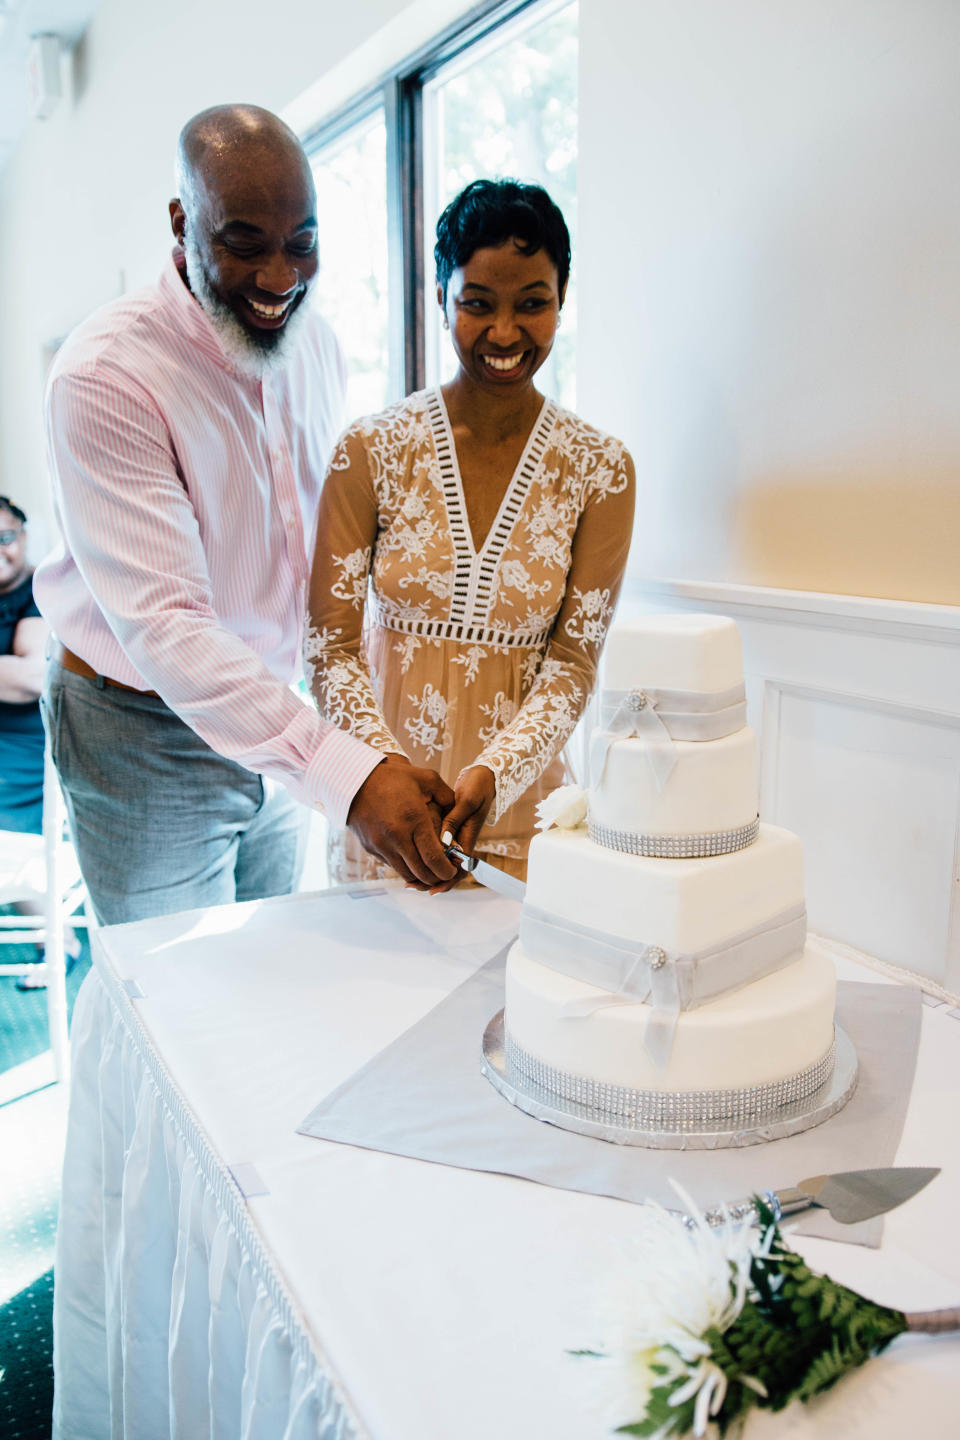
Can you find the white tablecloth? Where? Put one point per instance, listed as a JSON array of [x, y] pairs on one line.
[[363, 1294]]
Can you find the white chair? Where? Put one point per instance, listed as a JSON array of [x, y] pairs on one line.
[[43, 869]]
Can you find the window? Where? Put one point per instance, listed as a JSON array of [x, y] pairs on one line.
[[351, 289], [506, 107], [495, 97]]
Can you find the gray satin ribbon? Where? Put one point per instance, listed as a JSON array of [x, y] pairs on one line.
[[636, 973], [663, 716]]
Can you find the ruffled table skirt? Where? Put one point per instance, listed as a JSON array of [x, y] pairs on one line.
[[169, 1319]]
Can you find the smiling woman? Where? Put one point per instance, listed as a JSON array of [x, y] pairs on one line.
[[491, 527], [502, 312]]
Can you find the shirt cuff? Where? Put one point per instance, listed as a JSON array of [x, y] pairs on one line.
[[339, 767]]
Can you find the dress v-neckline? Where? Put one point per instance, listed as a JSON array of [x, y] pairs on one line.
[[453, 492]]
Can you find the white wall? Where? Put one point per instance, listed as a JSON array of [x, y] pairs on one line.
[[84, 200], [769, 285]]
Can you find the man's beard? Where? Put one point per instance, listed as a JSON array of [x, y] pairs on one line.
[[254, 353]]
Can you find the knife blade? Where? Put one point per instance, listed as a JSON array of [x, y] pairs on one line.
[[849, 1196], [854, 1195], [488, 875]]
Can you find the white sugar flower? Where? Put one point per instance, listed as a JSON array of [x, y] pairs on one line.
[[565, 807]]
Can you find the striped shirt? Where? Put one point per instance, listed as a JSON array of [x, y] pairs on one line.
[[186, 494]]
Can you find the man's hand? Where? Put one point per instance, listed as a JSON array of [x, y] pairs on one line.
[[396, 816]]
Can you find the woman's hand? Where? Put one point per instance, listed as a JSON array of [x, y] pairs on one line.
[[474, 793]]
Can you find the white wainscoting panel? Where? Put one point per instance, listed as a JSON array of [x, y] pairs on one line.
[[856, 705]]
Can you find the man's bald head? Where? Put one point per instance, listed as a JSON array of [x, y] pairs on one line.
[[227, 140], [246, 218]]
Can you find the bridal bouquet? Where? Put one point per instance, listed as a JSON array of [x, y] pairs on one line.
[[712, 1321]]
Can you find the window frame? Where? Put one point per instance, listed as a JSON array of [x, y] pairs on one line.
[[399, 94]]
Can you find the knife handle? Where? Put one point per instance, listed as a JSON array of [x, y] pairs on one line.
[[454, 853], [781, 1202], [736, 1213], [787, 1202]]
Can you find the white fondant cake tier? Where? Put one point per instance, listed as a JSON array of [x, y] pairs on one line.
[[673, 652], [712, 786], [685, 906], [770, 1029]]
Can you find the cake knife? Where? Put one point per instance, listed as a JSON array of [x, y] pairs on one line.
[[850, 1196], [488, 875]]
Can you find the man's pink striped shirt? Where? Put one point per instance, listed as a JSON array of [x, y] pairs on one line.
[[186, 495]]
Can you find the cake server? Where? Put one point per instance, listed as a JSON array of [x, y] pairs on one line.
[[850, 1196], [488, 875]]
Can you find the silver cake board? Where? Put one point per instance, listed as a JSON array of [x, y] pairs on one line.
[[424, 1097], [784, 1120]]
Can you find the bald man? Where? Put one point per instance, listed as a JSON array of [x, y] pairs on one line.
[[188, 430]]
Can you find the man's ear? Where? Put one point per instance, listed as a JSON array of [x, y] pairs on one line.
[[178, 219]]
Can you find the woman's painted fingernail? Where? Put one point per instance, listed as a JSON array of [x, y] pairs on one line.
[[446, 838]]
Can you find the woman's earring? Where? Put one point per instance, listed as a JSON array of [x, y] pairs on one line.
[[446, 323]]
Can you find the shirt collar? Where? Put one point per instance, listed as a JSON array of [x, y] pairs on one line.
[[191, 317]]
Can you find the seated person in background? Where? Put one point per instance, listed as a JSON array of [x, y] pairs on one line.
[[23, 636], [492, 528]]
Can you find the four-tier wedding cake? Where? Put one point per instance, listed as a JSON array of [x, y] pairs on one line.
[[662, 979]]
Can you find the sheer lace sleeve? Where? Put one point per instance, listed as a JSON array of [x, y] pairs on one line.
[[518, 748], [333, 653]]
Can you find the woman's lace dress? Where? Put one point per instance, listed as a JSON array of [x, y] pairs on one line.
[[419, 643]]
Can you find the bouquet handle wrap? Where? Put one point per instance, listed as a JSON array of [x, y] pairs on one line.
[[933, 1322]]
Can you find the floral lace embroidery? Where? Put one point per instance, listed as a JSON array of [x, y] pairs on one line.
[[470, 660], [501, 711], [438, 583], [592, 616], [426, 727], [344, 693], [406, 648], [514, 575], [352, 585], [538, 582], [316, 644], [521, 751]]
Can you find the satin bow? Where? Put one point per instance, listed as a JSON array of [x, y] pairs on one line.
[[661, 717]]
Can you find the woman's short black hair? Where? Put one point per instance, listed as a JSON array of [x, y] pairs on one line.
[[491, 212], [14, 510]]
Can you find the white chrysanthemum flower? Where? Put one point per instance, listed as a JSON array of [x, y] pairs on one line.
[[673, 1283], [565, 807]]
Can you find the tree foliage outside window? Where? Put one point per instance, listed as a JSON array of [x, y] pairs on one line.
[[506, 105], [507, 108], [351, 289]]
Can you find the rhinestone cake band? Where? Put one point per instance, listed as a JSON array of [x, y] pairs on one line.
[[675, 847], [666, 1110]]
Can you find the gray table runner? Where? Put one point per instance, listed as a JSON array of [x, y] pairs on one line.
[[424, 1097]]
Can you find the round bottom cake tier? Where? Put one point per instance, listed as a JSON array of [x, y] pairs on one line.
[[754, 1065]]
